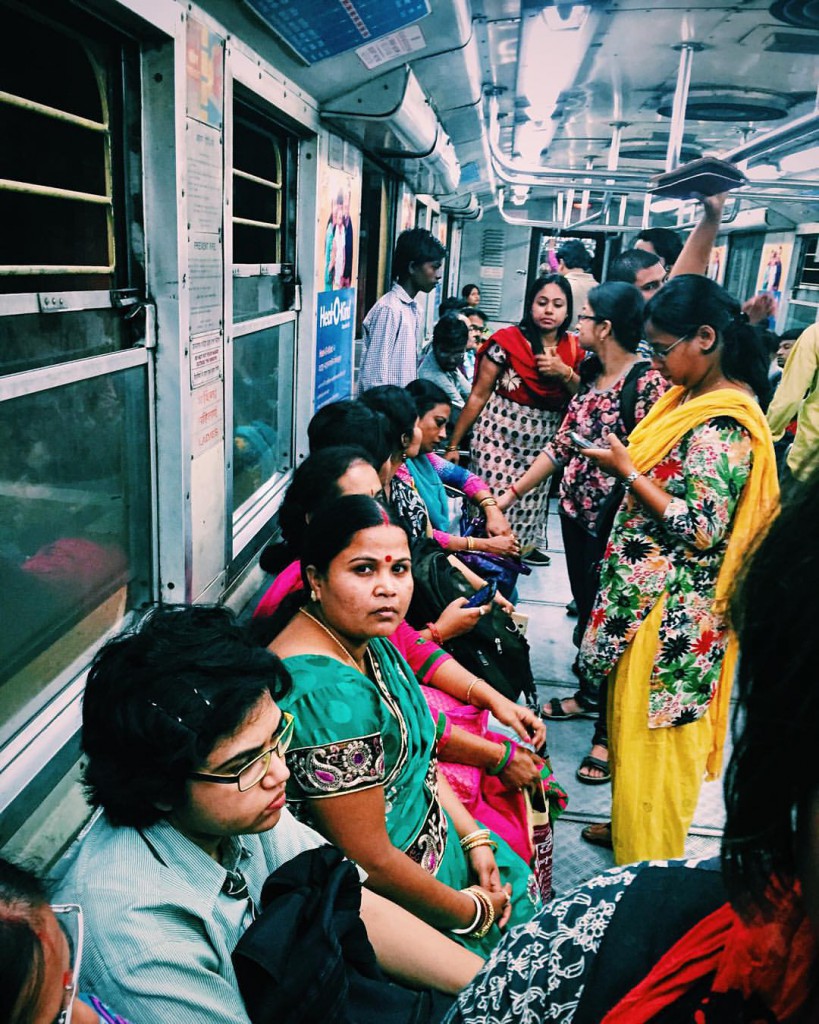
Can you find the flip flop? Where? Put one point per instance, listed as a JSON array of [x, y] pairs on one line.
[[598, 834], [593, 762], [557, 714]]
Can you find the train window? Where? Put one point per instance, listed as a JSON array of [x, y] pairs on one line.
[[262, 235], [74, 503], [807, 276], [263, 367]]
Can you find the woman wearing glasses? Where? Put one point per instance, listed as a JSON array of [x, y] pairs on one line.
[[617, 389], [41, 954], [701, 482]]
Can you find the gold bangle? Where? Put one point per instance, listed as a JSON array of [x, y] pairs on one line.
[[469, 689], [571, 374], [470, 544], [479, 833], [452, 448], [487, 502], [489, 918]]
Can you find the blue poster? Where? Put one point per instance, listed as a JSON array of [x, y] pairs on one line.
[[334, 346]]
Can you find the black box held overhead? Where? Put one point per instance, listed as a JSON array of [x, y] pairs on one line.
[[705, 177]]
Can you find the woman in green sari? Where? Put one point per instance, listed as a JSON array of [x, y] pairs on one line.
[[363, 768]]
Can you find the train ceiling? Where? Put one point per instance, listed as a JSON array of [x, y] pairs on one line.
[[561, 76]]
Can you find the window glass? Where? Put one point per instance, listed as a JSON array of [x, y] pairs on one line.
[[262, 408], [34, 339], [75, 507]]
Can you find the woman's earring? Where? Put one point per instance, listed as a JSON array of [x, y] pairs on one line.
[[313, 596]]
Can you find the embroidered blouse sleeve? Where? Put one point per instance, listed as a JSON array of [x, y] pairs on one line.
[[715, 467], [457, 477], [337, 744]]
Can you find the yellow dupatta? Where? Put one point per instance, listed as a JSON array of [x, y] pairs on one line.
[[652, 439]]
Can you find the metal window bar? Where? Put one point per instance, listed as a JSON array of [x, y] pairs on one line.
[[275, 184], [254, 177], [269, 225], [54, 192]]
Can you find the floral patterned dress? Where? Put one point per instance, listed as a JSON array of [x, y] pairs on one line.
[[677, 560]]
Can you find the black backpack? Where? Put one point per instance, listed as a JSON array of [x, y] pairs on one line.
[[494, 650]]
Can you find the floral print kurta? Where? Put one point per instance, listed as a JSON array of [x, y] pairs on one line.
[[677, 560]]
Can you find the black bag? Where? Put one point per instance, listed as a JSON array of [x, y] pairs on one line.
[[307, 958], [494, 649]]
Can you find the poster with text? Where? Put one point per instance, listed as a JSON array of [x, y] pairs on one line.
[[339, 216], [334, 346], [716, 265], [773, 273]]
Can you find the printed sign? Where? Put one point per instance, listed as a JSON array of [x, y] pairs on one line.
[[334, 346], [208, 418], [205, 358]]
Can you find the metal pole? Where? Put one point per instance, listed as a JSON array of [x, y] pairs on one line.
[[675, 134]]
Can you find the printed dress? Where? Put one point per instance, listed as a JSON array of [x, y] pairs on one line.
[[354, 733], [680, 557]]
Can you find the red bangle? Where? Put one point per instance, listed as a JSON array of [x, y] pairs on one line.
[[435, 633], [515, 491]]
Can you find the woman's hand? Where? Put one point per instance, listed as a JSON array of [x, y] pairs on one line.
[[505, 545], [456, 619], [522, 771], [452, 456], [483, 863], [504, 604], [523, 720], [497, 525], [549, 364], [506, 500], [614, 460]]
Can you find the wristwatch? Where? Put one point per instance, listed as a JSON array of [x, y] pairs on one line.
[[629, 480]]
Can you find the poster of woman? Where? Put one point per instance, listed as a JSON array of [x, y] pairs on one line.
[[716, 265], [773, 273]]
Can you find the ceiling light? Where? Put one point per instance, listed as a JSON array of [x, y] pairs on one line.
[[565, 17], [763, 172], [796, 163]]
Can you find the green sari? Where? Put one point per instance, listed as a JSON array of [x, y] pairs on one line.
[[353, 734]]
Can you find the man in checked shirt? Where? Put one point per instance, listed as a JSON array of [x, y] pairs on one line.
[[392, 326]]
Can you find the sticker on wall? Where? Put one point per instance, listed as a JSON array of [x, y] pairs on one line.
[[205, 62]]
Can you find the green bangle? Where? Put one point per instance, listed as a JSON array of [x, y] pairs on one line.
[[504, 761], [440, 726]]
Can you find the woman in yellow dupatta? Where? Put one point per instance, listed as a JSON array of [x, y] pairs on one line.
[[701, 483]]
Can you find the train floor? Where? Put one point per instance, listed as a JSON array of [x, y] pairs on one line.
[[544, 596]]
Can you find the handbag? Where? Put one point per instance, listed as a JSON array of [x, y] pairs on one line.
[[545, 802], [503, 569], [494, 650], [307, 957]]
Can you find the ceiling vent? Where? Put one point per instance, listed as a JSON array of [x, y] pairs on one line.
[[799, 13], [728, 103], [792, 42]]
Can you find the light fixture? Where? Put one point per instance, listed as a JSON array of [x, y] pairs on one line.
[[805, 160], [665, 205], [566, 17], [763, 172], [520, 193]]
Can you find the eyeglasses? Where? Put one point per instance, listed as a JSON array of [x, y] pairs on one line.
[[662, 353], [69, 918], [254, 771], [591, 316]]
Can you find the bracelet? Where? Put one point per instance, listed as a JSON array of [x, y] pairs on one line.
[[479, 842], [470, 544], [469, 689], [508, 753], [479, 833], [487, 502], [571, 374], [489, 912], [479, 911], [452, 448], [629, 480], [435, 633], [515, 491]]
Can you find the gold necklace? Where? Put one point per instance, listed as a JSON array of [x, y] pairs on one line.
[[335, 640]]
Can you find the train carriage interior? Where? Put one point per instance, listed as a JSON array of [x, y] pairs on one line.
[[199, 202]]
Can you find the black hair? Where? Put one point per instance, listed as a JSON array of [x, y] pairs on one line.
[[477, 311], [468, 289], [793, 334], [314, 483], [348, 422], [332, 529], [527, 324], [451, 330], [623, 305], [666, 243], [427, 394], [574, 254], [397, 407], [629, 263], [692, 301], [768, 339], [157, 701], [417, 245], [773, 770], [453, 305], [23, 897]]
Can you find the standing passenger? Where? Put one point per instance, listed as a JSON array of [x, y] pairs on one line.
[[798, 395], [442, 363], [392, 326], [574, 262]]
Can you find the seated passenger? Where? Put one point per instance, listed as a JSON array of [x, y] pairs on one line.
[[679, 942], [459, 701], [442, 363], [363, 763], [184, 745], [41, 956]]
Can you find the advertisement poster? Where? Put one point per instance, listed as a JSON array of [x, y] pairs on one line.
[[716, 265], [406, 211], [334, 346], [773, 273], [339, 219]]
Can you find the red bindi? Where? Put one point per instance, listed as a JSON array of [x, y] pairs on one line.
[[387, 558]]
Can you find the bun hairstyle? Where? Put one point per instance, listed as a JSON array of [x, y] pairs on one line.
[[314, 484], [621, 304], [527, 324], [692, 301], [399, 409], [427, 394]]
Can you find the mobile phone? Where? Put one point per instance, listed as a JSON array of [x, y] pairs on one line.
[[483, 596], [579, 441]]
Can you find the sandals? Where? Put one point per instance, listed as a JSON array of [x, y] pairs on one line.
[[593, 762], [598, 834], [557, 714]]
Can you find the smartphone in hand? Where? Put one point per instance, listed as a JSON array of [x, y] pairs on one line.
[[483, 596], [579, 441]]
